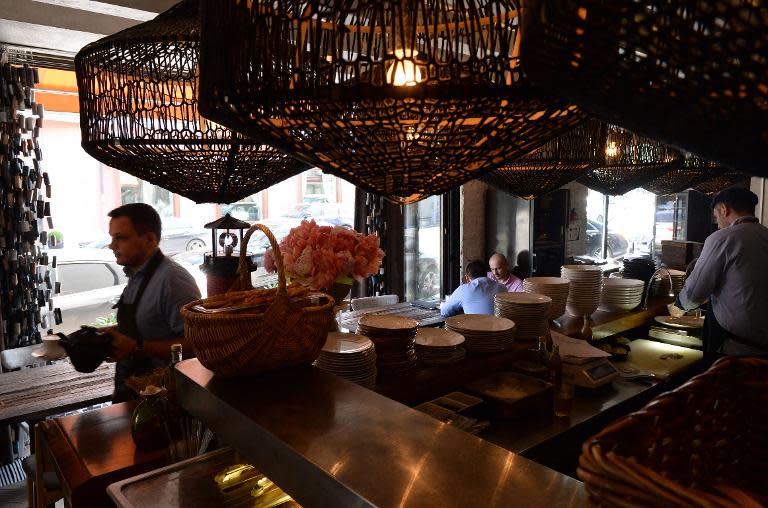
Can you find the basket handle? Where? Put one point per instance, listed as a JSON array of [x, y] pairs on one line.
[[243, 268]]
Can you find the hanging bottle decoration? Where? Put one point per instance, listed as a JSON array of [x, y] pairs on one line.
[[27, 272]]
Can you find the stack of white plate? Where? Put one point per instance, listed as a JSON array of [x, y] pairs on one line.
[[350, 356], [584, 292], [435, 346], [529, 312], [661, 282], [621, 294], [554, 287], [393, 337], [483, 333]]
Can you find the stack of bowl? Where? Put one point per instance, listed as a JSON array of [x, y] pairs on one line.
[[393, 338], [661, 282], [621, 294], [639, 268], [483, 333], [554, 287], [584, 293], [529, 311]]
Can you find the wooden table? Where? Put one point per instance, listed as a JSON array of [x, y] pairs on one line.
[[33, 394], [88, 451], [425, 317]]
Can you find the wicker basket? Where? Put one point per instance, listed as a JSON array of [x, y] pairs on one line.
[[239, 344], [703, 444]]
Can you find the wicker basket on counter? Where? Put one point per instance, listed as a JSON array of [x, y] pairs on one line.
[[702, 444], [283, 333]]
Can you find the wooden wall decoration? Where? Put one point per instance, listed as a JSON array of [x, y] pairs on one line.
[[404, 99], [689, 73], [27, 278], [138, 113]]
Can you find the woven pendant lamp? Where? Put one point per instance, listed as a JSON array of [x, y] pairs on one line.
[[725, 179], [402, 98], [630, 161], [555, 164], [690, 172], [138, 113], [690, 73]]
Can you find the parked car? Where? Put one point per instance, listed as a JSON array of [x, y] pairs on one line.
[[244, 211], [178, 235], [617, 244], [336, 214], [91, 284]]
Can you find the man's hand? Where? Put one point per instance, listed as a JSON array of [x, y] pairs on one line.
[[122, 345], [675, 311]]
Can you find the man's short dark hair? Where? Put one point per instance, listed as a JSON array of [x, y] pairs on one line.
[[477, 269], [143, 217], [740, 199]]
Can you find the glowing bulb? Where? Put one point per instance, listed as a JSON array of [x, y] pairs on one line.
[[612, 150], [404, 71]]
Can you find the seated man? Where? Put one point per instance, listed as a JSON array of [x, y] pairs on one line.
[[474, 297], [500, 273]]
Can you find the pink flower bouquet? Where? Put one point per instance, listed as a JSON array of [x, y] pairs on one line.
[[317, 256]]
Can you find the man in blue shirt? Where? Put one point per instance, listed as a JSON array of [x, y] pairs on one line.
[[148, 313], [731, 273], [474, 297]]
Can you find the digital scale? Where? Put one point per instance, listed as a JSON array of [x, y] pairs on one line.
[[589, 372]]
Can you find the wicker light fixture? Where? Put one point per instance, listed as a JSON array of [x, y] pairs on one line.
[[690, 73], [138, 113], [725, 179], [690, 172], [630, 161], [402, 98], [556, 163]]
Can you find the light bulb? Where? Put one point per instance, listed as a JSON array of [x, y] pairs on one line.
[[404, 71], [612, 150]]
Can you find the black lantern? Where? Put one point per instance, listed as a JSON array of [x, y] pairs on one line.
[[138, 113], [689, 73], [220, 265], [405, 99]]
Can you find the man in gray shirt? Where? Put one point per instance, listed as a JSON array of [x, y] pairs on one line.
[[731, 272], [148, 313]]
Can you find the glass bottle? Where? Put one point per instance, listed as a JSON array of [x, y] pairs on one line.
[[149, 421], [555, 366]]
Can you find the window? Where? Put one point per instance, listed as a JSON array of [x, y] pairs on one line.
[[80, 277], [630, 223], [422, 245]]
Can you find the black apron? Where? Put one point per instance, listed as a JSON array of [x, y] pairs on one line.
[[126, 324]]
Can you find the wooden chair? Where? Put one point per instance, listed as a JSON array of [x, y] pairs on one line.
[[45, 489], [368, 302]]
